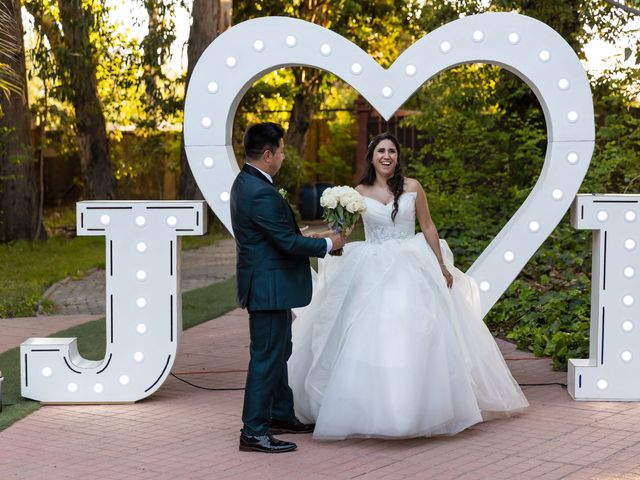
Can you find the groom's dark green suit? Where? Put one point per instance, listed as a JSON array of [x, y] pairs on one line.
[[273, 276]]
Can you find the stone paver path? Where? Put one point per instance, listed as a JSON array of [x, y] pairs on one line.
[[185, 433], [199, 267]]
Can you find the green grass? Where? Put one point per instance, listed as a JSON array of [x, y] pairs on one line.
[[62, 217], [197, 241], [216, 231], [357, 235], [198, 306], [27, 269]]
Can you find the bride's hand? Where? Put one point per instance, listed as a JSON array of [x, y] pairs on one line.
[[447, 275], [305, 233]]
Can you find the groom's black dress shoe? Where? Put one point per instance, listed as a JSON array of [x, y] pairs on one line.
[[264, 443], [292, 425]]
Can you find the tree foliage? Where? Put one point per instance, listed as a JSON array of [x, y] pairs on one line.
[[72, 29], [209, 19], [160, 99], [485, 144], [383, 28], [9, 79], [482, 127], [19, 213]]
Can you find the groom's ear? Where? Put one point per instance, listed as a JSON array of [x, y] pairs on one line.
[[267, 155]]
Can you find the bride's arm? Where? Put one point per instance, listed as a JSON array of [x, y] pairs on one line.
[[428, 228]]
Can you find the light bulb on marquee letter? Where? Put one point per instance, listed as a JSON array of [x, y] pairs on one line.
[[610, 372], [132, 304]]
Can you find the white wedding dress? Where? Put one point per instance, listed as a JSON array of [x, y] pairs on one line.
[[386, 350]]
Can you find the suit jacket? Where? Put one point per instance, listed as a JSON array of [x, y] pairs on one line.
[[273, 271]]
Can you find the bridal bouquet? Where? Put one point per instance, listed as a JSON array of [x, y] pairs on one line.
[[342, 207]]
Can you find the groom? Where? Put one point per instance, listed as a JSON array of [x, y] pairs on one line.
[[273, 276]]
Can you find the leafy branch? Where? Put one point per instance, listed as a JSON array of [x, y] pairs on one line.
[[624, 7], [9, 31]]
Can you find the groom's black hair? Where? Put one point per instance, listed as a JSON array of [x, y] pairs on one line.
[[261, 137]]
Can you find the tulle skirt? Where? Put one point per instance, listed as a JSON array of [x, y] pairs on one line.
[[386, 350]]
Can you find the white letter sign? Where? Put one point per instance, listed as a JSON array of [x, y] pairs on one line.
[[612, 371], [144, 311], [530, 49]]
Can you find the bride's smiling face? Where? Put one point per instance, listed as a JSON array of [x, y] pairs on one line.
[[385, 158]]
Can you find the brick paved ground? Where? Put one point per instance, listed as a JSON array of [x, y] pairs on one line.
[[185, 433]]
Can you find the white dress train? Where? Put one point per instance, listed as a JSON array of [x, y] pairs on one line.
[[386, 350]]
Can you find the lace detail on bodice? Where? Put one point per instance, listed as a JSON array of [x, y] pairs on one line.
[[378, 226], [382, 233]]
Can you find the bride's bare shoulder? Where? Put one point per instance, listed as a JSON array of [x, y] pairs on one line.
[[361, 188], [412, 185]]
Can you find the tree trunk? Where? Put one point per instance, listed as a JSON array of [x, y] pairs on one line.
[[18, 195], [205, 27], [152, 67], [97, 172], [304, 104], [308, 81], [299, 122]]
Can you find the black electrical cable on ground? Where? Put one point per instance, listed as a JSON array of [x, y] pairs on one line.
[[206, 388], [564, 385]]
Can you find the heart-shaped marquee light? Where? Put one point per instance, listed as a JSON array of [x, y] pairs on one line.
[[528, 48]]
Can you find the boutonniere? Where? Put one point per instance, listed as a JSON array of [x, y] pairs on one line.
[[283, 193]]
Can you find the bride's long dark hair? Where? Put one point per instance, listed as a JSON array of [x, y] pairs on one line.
[[396, 182]]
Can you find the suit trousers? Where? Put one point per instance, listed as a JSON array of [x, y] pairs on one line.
[[267, 393]]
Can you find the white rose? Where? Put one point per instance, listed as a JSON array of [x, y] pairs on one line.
[[330, 202], [354, 197], [347, 195], [353, 206], [328, 198]]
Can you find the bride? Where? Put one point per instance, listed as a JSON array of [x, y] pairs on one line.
[[393, 344]]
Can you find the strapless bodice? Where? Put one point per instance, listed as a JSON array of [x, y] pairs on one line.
[[378, 226]]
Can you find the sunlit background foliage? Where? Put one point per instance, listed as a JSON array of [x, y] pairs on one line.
[[480, 131]]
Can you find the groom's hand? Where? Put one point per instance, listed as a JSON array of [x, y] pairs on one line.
[[338, 241]]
